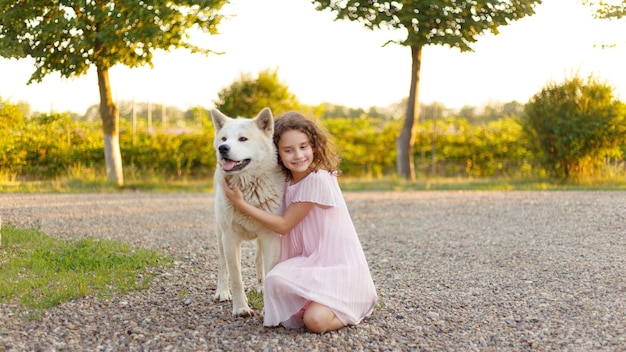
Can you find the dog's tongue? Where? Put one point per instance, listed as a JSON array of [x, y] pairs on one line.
[[228, 165]]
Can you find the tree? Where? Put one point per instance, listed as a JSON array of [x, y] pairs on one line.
[[198, 115], [70, 36], [513, 108], [575, 125], [329, 110], [456, 24], [468, 112], [247, 95]]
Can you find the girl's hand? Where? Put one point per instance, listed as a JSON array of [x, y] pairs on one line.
[[232, 192]]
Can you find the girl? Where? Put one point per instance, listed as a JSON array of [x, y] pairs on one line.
[[322, 280]]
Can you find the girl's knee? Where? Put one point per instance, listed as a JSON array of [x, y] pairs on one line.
[[314, 322], [320, 319]]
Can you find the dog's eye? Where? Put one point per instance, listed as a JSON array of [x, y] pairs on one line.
[[243, 139], [223, 139]]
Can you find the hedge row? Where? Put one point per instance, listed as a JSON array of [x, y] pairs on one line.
[[51, 145]]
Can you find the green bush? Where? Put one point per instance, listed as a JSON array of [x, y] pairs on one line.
[[575, 126], [169, 155], [366, 146], [461, 149]]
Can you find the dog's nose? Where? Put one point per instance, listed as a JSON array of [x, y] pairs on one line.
[[224, 149]]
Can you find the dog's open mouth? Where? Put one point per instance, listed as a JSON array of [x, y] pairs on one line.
[[232, 165]]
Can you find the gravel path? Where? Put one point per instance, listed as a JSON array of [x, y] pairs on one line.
[[455, 271]]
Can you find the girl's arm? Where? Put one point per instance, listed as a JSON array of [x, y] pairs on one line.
[[279, 224]]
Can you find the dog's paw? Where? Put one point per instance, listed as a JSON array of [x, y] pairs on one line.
[[243, 312], [222, 296]]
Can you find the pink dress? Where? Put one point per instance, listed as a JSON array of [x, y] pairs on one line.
[[321, 260]]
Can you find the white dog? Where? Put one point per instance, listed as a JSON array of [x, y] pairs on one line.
[[246, 157]]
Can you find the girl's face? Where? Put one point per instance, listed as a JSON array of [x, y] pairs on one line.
[[296, 153]]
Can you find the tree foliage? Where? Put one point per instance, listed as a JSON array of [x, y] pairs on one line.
[[70, 36], [457, 24], [574, 125], [607, 9], [248, 95]]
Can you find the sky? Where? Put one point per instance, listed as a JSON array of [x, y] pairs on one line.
[[342, 62]]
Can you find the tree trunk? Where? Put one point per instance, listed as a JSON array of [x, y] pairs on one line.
[[110, 126], [404, 143]]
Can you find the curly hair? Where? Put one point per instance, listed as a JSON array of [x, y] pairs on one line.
[[325, 153]]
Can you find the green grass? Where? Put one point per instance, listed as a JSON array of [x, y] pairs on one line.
[[38, 271], [63, 185], [255, 299], [80, 179]]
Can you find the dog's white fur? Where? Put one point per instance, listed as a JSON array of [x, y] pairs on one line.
[[246, 157]]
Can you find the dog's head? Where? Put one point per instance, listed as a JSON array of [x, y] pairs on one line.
[[243, 143]]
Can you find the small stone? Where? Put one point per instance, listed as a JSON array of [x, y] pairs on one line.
[[432, 315]]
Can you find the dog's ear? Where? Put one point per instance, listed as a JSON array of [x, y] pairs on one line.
[[265, 121], [219, 119]]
